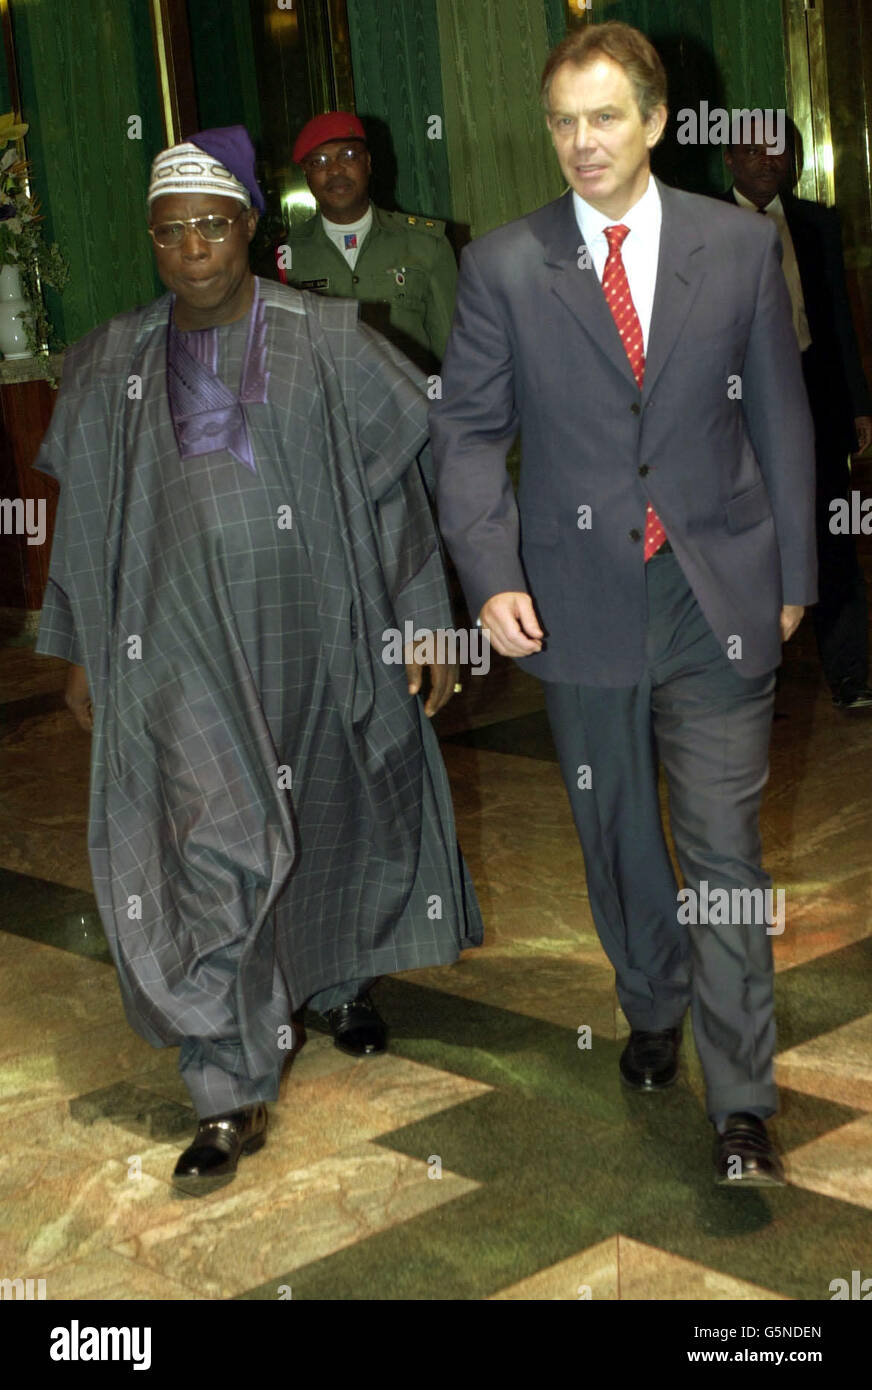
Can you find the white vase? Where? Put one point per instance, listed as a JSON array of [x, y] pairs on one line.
[[13, 306]]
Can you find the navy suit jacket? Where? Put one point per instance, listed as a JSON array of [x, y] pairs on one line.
[[719, 439]]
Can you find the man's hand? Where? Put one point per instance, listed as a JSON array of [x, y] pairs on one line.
[[510, 622], [442, 680], [791, 617], [78, 699], [863, 426]]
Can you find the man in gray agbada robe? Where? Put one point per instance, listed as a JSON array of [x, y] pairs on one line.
[[243, 517]]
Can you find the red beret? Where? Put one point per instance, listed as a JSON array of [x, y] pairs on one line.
[[333, 125]]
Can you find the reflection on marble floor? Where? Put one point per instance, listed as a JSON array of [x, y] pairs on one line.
[[626, 1269], [345, 1191]]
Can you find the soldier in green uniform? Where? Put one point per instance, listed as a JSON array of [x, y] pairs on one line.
[[400, 267]]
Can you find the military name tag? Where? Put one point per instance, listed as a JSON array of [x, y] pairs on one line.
[[322, 284]]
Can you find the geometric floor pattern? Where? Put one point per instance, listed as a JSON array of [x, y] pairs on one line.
[[486, 1155]]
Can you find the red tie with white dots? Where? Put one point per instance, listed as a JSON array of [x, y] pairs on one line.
[[616, 288]]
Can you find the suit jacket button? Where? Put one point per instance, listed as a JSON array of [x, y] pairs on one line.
[[636, 408], [643, 471], [355, 279], [635, 534]]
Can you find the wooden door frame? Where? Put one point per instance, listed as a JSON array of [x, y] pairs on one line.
[[808, 98], [327, 20]]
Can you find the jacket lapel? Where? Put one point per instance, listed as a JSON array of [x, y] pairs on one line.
[[679, 276], [680, 273], [579, 287], [806, 246]]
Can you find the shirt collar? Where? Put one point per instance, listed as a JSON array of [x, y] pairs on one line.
[[643, 217], [775, 205], [349, 226]]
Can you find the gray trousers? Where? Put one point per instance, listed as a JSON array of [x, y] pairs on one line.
[[218, 1089], [710, 728]]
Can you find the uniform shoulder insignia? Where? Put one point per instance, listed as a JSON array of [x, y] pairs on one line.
[[431, 225]]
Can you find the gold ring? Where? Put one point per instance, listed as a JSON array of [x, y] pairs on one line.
[[457, 688]]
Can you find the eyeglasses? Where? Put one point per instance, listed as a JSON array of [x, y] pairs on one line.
[[170, 234], [352, 155]]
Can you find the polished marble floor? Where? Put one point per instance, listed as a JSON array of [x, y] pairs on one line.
[[486, 1156]]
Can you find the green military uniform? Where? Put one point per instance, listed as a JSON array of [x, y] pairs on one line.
[[405, 277]]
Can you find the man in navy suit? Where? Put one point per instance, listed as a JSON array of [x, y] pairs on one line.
[[660, 549], [841, 405]]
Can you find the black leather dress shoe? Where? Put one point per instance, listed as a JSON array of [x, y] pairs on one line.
[[745, 1156], [357, 1027], [211, 1160], [852, 696], [649, 1062]]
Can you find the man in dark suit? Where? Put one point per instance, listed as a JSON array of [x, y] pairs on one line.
[[660, 550], [841, 406]]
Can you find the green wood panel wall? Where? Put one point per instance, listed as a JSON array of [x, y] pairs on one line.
[[501, 157], [4, 88], [729, 53], [222, 51], [84, 69], [681, 31], [750, 53], [555, 21], [397, 88]]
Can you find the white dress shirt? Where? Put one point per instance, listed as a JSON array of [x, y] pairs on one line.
[[775, 210], [640, 251]]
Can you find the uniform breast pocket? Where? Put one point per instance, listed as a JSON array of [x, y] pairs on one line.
[[409, 285]]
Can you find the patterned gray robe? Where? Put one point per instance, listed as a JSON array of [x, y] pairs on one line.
[[229, 897]]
